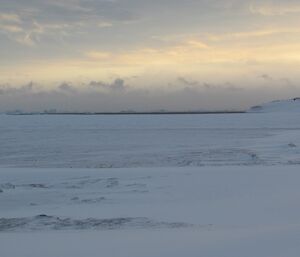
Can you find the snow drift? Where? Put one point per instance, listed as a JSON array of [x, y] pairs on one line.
[[290, 105]]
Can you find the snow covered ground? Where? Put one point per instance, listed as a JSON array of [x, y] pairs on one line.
[[279, 106], [142, 186], [202, 211], [149, 141]]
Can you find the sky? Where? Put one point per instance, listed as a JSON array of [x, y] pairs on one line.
[[114, 55]]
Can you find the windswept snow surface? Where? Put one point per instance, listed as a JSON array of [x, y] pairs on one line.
[[142, 186], [202, 211], [149, 141]]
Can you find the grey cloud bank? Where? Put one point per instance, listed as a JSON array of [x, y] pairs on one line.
[[98, 96]]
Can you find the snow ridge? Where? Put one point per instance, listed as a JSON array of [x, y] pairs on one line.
[[290, 105]]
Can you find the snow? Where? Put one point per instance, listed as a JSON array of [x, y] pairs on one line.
[[148, 141], [210, 211], [221, 185], [282, 106]]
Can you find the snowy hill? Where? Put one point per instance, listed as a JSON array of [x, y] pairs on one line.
[[290, 105]]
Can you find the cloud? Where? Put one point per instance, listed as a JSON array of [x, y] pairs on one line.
[[207, 43], [266, 77], [10, 23], [194, 84], [117, 85], [31, 22], [10, 17], [7, 89], [96, 96], [275, 9], [66, 87], [197, 44], [104, 24], [98, 55], [287, 82], [22, 30], [10, 28], [281, 81], [253, 34], [68, 5], [187, 82]]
